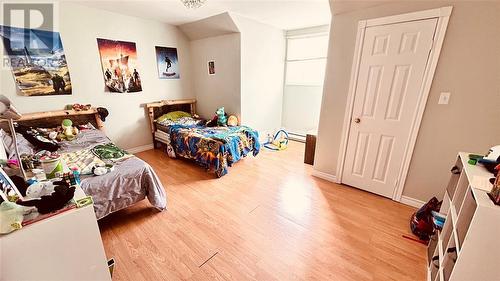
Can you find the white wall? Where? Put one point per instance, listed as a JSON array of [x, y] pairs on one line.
[[249, 70], [469, 68], [262, 71], [79, 27], [223, 88]]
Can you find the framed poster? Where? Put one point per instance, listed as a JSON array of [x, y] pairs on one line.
[[37, 60], [211, 67], [119, 66], [168, 63]]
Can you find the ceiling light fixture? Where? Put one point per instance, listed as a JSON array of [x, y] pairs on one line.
[[193, 4]]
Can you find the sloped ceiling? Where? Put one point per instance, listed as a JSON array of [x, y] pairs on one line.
[[212, 26]]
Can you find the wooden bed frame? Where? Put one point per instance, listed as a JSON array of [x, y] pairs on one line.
[[52, 119], [157, 109]]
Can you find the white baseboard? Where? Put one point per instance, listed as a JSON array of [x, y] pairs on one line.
[[325, 176], [141, 148], [411, 201]]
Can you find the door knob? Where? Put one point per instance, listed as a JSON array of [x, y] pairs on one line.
[[357, 120]]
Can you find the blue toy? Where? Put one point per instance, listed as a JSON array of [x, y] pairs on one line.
[[279, 142], [221, 117]]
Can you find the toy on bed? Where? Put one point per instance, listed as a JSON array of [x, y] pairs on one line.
[[49, 138], [232, 121], [220, 118], [131, 180], [68, 131]]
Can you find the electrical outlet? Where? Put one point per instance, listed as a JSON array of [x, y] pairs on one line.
[[444, 98]]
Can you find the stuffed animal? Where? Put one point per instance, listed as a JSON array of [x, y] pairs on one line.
[[69, 131], [232, 121], [221, 117]]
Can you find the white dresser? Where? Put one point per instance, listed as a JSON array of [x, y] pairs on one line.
[[67, 246], [468, 247]]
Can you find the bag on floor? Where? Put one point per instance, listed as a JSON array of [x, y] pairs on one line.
[[421, 223]]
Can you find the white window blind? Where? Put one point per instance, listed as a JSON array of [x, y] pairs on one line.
[[306, 60], [305, 71], [311, 47]]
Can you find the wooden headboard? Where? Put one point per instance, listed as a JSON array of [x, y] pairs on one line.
[[157, 109], [52, 119]]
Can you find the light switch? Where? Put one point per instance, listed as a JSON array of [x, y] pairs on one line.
[[444, 98]]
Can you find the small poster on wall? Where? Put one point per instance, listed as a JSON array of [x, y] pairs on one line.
[[37, 60], [168, 63], [211, 67], [119, 66]]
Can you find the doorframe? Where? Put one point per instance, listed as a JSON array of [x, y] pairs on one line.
[[443, 16]]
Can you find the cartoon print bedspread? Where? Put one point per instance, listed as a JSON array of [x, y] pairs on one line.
[[214, 148]]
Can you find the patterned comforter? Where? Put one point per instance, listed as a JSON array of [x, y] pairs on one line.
[[214, 148]]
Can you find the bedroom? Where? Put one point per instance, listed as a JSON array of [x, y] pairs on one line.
[[271, 217]]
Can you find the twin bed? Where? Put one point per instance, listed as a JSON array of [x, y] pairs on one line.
[[213, 148], [132, 180]]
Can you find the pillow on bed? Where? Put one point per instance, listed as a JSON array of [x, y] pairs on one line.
[[174, 115]]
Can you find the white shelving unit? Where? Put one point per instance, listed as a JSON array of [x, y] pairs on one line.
[[467, 248], [67, 247]]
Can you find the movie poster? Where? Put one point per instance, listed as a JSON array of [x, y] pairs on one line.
[[119, 66], [168, 63], [37, 60], [211, 67]]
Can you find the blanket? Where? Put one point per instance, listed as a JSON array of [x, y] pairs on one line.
[[131, 181], [214, 148], [83, 159]]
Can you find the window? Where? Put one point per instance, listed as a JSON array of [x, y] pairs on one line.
[[304, 74]]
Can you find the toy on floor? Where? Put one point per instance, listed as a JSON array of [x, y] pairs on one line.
[[278, 142], [421, 223], [221, 117]]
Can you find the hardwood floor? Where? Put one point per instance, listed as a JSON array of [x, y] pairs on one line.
[[267, 219]]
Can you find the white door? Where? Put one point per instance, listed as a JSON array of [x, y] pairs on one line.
[[390, 77]]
